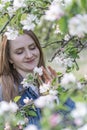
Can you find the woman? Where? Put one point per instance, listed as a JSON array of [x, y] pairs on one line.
[[18, 58]]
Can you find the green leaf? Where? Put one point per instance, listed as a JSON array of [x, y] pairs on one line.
[[32, 113], [63, 24], [17, 98], [84, 3]]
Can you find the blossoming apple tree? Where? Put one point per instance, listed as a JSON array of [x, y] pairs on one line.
[[61, 23], [62, 26]]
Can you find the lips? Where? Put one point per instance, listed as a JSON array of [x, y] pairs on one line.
[[28, 61]]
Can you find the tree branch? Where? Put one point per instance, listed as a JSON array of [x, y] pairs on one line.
[[3, 28]]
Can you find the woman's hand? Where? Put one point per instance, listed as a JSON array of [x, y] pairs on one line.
[[48, 75]]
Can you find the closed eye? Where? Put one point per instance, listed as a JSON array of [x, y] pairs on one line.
[[32, 47], [20, 51]]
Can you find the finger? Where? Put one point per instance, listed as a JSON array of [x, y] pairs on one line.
[[46, 75], [52, 71], [40, 80]]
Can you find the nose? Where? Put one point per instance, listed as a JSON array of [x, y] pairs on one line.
[[28, 54]]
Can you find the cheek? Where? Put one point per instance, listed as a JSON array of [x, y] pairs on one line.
[[15, 59], [37, 53]]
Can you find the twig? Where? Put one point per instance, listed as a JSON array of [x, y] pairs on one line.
[[48, 33], [64, 43], [51, 43], [1, 31]]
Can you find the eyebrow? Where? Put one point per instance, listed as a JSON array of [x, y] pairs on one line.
[[21, 48]]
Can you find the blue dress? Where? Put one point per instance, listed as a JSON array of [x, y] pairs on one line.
[[30, 93]]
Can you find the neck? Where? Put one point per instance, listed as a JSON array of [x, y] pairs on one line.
[[23, 73]]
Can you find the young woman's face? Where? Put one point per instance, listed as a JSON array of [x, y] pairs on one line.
[[24, 54]]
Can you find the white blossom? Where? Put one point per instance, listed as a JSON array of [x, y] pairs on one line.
[[53, 92], [5, 1], [25, 84], [66, 129], [84, 127], [47, 100], [31, 127], [78, 25], [54, 12], [50, 99], [58, 60], [56, 2], [84, 22], [68, 62], [11, 33], [78, 121], [11, 11], [67, 2], [68, 80], [28, 23], [1, 7], [38, 70], [80, 111], [57, 30], [44, 88], [67, 37], [28, 81], [40, 102], [27, 100], [85, 76], [4, 107], [8, 107], [13, 107], [26, 120], [19, 3], [63, 60], [79, 85]]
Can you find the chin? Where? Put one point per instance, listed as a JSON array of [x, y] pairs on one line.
[[30, 69]]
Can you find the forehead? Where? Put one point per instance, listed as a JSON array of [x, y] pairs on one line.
[[21, 41]]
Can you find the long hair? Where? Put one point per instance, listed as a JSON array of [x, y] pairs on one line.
[[9, 76]]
